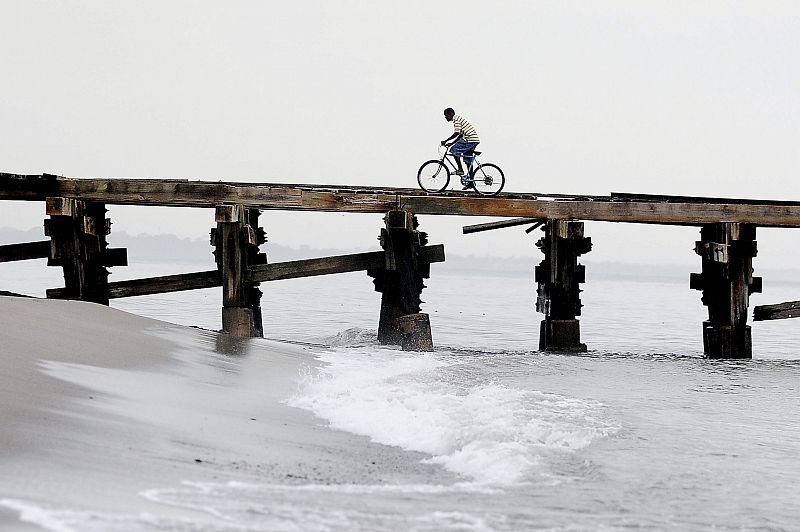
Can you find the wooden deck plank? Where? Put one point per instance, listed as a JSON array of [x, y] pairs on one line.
[[271, 196], [627, 196]]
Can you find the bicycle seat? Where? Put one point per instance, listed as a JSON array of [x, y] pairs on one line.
[[473, 153]]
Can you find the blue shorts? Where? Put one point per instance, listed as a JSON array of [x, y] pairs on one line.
[[461, 147]]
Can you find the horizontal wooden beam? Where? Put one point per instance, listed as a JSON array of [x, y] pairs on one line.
[[535, 226], [27, 187], [25, 251], [320, 198], [625, 196], [778, 311], [336, 264], [164, 284], [12, 294], [502, 224], [115, 257], [631, 212], [110, 257], [155, 285], [310, 267], [256, 274]]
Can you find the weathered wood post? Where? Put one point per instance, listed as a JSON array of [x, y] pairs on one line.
[[558, 293], [256, 237], [401, 283], [77, 231], [235, 249], [727, 251]]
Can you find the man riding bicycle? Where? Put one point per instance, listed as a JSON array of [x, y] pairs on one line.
[[463, 147]]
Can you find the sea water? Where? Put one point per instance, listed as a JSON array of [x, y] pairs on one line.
[[641, 432]]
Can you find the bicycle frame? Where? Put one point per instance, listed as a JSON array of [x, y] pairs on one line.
[[450, 160]]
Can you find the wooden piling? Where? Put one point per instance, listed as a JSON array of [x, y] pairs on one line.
[[236, 242], [727, 251], [255, 237], [558, 277], [400, 281], [415, 331], [77, 231]]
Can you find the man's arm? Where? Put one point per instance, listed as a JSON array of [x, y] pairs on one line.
[[451, 137]]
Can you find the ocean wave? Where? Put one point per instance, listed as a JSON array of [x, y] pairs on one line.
[[485, 430], [352, 337]]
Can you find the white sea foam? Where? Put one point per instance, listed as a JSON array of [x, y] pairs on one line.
[[351, 337], [348, 489], [489, 432], [240, 506], [322, 507], [74, 520]]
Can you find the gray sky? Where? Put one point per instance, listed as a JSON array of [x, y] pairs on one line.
[[670, 97]]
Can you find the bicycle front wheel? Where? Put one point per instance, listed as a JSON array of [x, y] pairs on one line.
[[488, 179], [433, 176]]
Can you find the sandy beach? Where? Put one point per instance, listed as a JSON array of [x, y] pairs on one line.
[[99, 406]]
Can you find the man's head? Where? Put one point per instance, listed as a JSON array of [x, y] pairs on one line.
[[449, 114]]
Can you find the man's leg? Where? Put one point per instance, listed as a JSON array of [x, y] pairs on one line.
[[458, 150], [469, 159]]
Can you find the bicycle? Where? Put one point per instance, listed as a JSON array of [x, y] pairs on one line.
[[486, 179]]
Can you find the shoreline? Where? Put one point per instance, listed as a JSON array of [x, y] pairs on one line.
[[101, 406]]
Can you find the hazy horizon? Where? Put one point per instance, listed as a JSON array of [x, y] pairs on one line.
[[576, 97], [172, 249]]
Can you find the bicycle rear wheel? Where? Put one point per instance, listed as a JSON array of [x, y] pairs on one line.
[[488, 179], [433, 176]]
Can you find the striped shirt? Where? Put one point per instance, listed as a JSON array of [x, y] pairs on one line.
[[466, 129]]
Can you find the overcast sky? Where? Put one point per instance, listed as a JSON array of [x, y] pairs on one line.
[[667, 97]]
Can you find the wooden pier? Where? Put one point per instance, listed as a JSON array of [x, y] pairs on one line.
[[77, 230]]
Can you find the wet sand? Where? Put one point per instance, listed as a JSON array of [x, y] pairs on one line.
[[99, 405]]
